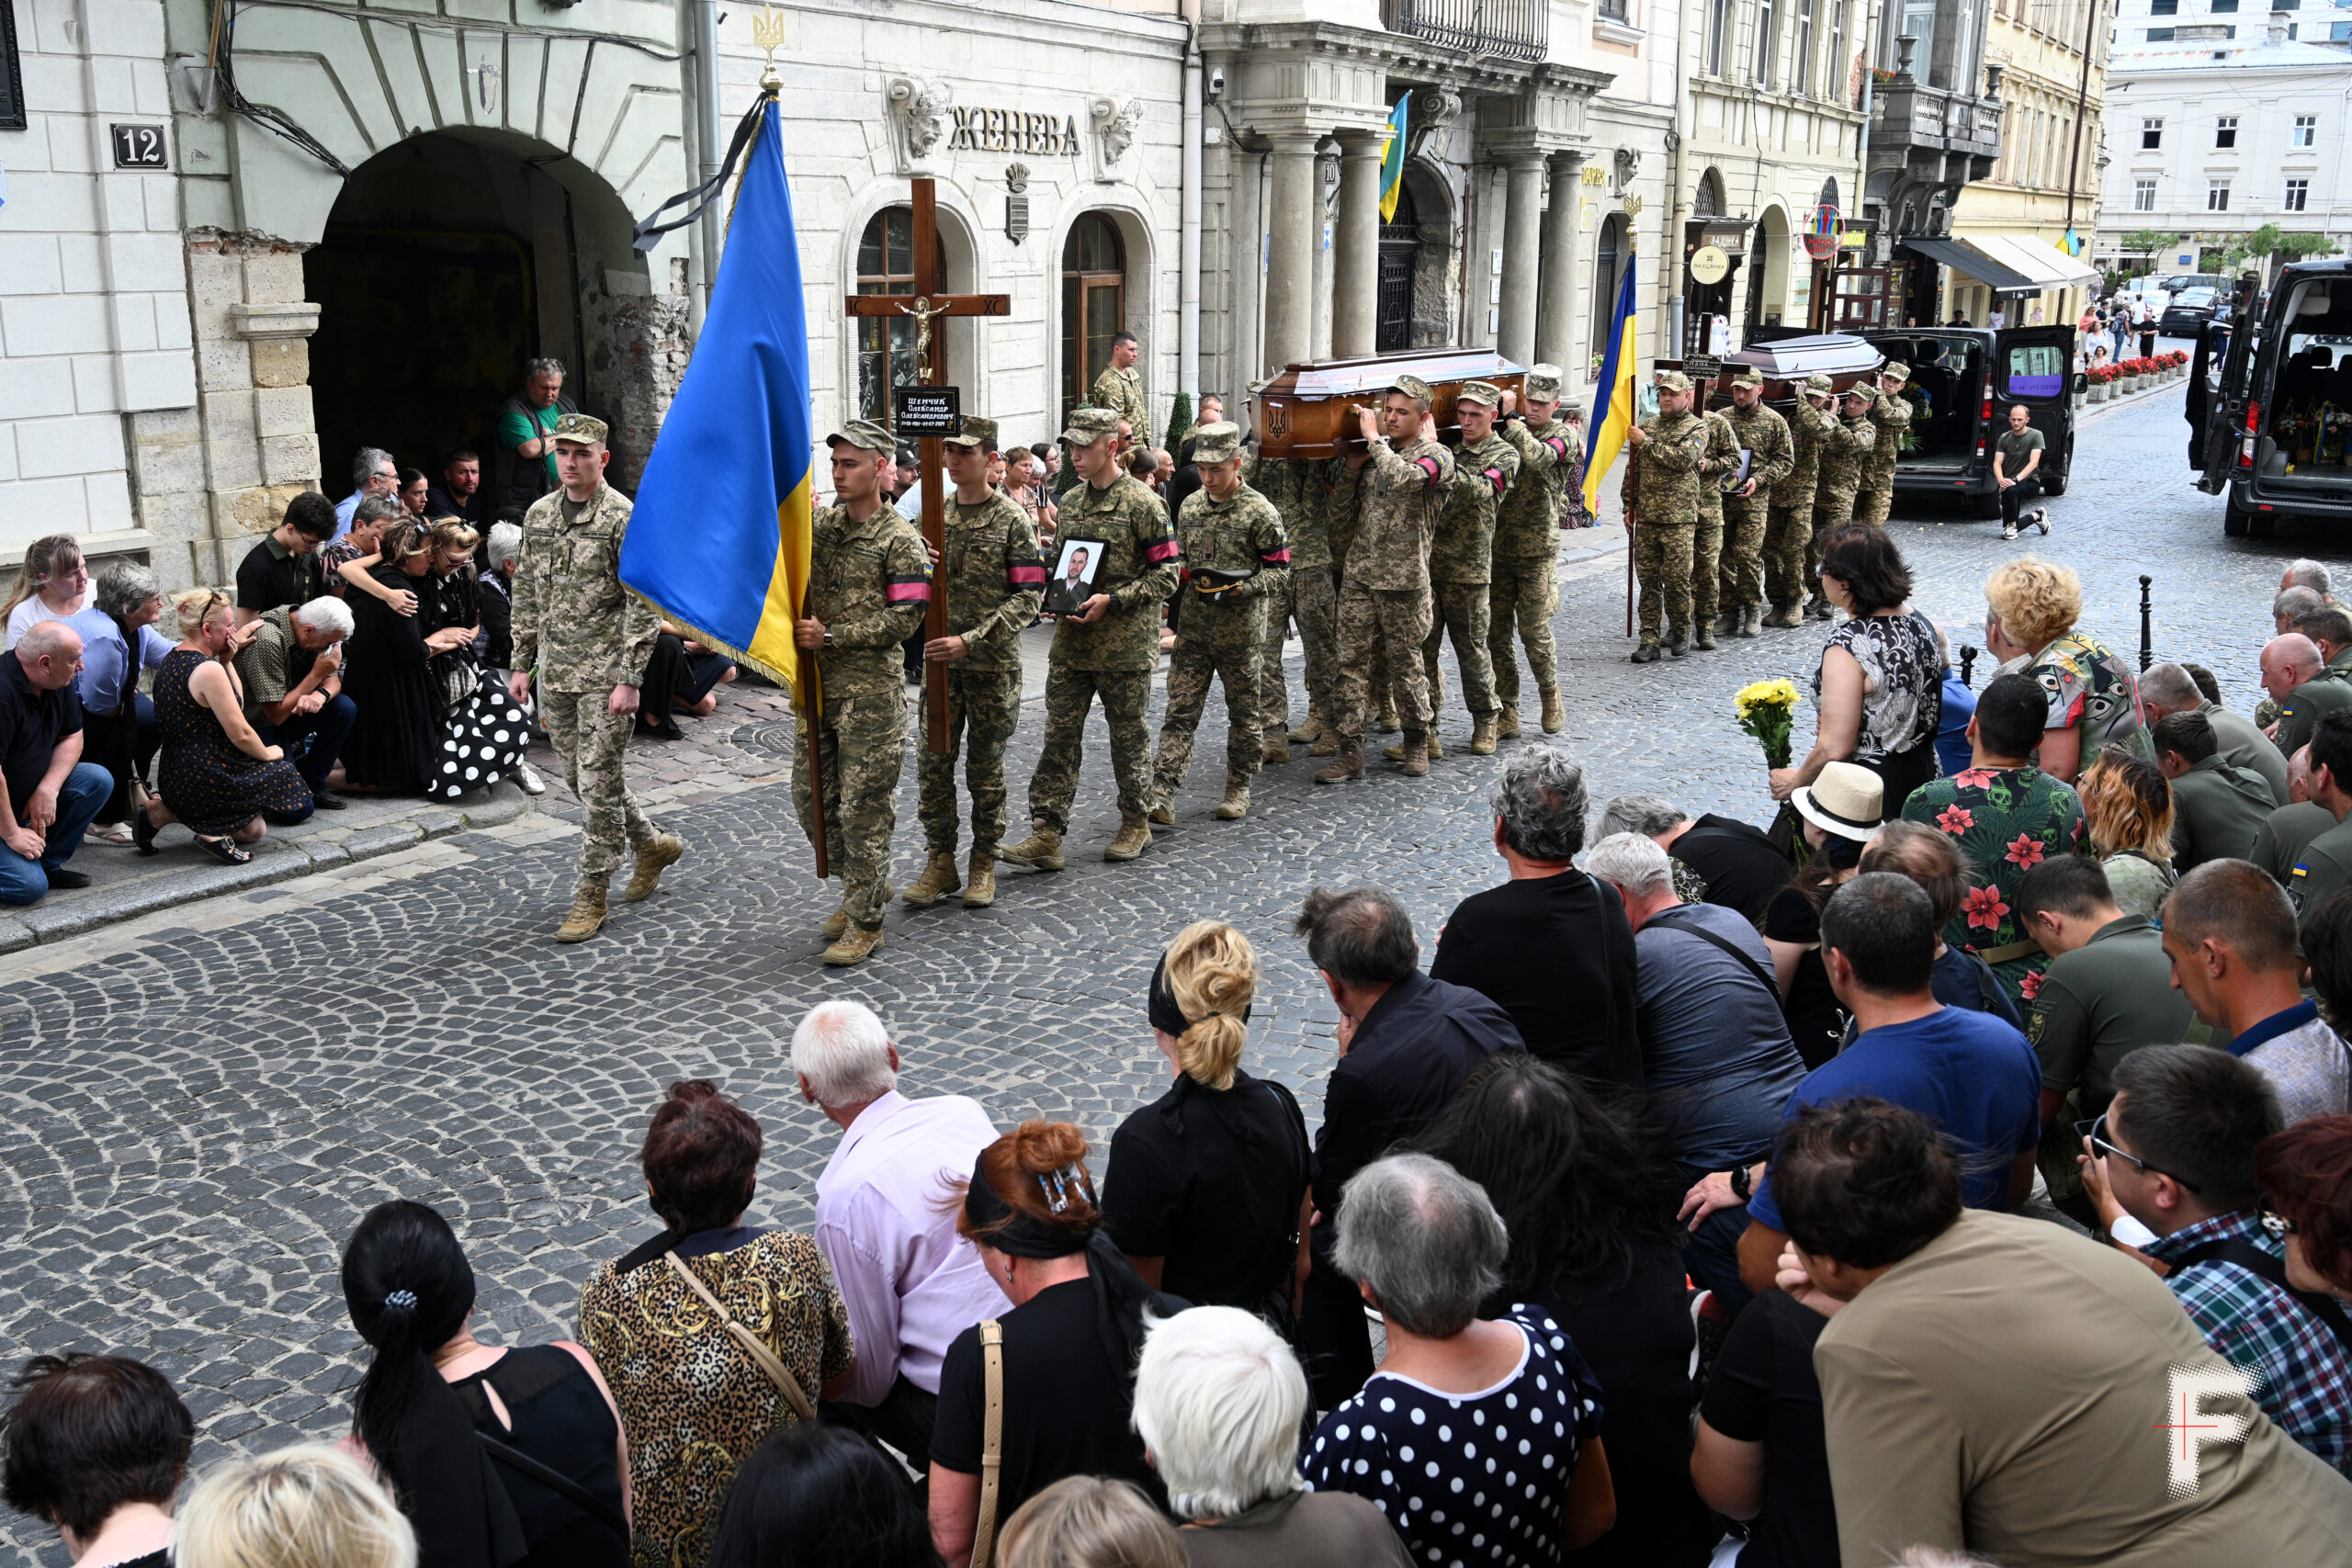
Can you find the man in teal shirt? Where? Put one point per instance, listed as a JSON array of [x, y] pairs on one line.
[[526, 434]]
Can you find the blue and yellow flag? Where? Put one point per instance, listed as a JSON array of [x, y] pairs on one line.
[[1392, 161], [1612, 408], [720, 540]]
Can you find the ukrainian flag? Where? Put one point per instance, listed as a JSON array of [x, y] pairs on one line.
[[1612, 410], [720, 541], [1392, 161]]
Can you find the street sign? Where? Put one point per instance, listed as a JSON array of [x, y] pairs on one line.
[[138, 146], [926, 410], [1821, 232]]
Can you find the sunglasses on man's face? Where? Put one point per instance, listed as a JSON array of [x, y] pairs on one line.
[[2095, 1131]]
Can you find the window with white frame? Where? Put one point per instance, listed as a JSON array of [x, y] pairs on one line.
[[2152, 135], [1801, 68], [2143, 196], [2305, 131], [2299, 196], [1767, 40], [2217, 195], [1718, 25], [2225, 131]]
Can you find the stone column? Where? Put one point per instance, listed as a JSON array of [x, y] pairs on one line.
[[1290, 251], [1523, 253], [1355, 247], [1556, 314], [1327, 160]]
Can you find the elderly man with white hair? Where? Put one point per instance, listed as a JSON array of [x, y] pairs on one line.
[[51, 797], [2169, 689], [292, 672], [1219, 1399], [886, 1222]]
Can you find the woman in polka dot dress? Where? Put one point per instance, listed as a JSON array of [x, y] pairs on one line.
[[1479, 1439], [484, 732]]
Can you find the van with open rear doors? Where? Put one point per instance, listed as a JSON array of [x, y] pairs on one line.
[[2269, 404], [1963, 380]]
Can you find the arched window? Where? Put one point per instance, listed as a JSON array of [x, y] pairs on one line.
[[1708, 202], [1604, 284], [1094, 303], [886, 345]]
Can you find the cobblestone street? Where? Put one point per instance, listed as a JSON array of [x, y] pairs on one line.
[[199, 1105]]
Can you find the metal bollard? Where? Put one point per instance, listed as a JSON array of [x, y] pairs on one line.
[[2147, 625]]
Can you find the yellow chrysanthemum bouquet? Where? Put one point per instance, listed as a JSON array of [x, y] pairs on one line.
[[1766, 710]]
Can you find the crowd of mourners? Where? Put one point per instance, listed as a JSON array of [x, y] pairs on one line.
[[1958, 1170]]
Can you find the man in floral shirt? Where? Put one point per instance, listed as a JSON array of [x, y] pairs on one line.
[[2009, 816]]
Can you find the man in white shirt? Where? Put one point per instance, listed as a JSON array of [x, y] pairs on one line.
[[886, 1206]]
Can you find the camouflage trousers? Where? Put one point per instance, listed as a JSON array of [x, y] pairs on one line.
[[1874, 499], [1662, 561], [1069, 692], [1461, 611], [1521, 597], [1832, 509], [1787, 533], [1706, 563], [1215, 645], [1741, 579], [591, 740], [1311, 600], [861, 745], [983, 709], [1396, 623]]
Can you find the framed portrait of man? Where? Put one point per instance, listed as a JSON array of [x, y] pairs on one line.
[[1076, 566]]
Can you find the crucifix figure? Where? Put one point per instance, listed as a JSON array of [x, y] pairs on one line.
[[928, 305]]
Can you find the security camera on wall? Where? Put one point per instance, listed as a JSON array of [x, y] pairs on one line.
[[1214, 86]]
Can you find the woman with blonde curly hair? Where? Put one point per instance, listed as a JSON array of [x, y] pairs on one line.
[[2031, 607], [307, 1506], [2127, 806], [1210, 1194]]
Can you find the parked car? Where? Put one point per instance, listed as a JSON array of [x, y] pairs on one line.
[[1963, 380], [2265, 426], [2190, 310]]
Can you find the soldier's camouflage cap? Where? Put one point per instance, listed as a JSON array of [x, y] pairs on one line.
[[1895, 369], [1863, 390], [1089, 425], [1818, 385], [1544, 382], [978, 432], [1412, 387], [1673, 381], [865, 434], [1747, 376], [1218, 443], [581, 427], [1484, 393]]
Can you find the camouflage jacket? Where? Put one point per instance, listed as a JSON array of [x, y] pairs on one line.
[[1722, 461], [1343, 499], [1138, 570], [1527, 519], [1764, 435], [1809, 429], [1843, 455], [1661, 483], [1463, 549], [1402, 491], [1892, 420], [1300, 489], [992, 577], [1123, 391], [869, 582], [1241, 535], [573, 617]]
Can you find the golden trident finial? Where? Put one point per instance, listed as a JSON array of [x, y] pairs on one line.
[[767, 32], [1633, 205]]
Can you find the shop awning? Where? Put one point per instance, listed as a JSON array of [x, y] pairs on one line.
[[2034, 257], [2001, 279]]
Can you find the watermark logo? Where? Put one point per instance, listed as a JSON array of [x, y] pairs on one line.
[[2191, 1426]]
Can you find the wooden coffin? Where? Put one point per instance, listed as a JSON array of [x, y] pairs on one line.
[[1786, 362], [1308, 410]]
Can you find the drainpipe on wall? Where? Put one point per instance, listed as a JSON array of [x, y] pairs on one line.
[[706, 52], [1188, 276], [1670, 253]]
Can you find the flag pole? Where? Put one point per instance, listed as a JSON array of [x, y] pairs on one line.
[[810, 724]]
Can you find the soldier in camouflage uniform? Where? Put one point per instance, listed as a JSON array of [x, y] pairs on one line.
[[1300, 489], [1892, 420], [590, 640], [1108, 650], [1461, 564], [869, 581], [1664, 460], [1120, 388], [993, 580], [1236, 561], [1707, 538], [1521, 592], [1763, 434], [1788, 529], [1385, 595], [1843, 452]]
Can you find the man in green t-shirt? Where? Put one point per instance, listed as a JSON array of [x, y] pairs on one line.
[[526, 434], [2017, 468]]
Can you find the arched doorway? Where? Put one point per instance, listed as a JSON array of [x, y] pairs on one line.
[[1400, 244], [1606, 253], [1094, 303], [1706, 301], [886, 345], [1768, 271]]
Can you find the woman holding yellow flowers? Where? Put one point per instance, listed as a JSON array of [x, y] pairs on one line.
[[1879, 690]]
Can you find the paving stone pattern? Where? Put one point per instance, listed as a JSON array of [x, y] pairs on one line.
[[190, 1128]]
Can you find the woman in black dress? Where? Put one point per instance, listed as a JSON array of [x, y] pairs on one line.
[[483, 732], [1208, 1190], [217, 776]]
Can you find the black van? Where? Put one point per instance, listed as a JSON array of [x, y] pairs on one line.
[[2262, 374], [1963, 381]]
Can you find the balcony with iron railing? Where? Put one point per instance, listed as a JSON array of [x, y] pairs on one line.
[[1505, 29]]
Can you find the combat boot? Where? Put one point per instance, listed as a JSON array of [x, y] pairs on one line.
[[1507, 722], [980, 882], [1647, 653], [855, 946], [1041, 851], [1704, 640], [1311, 730], [1386, 723], [1677, 645], [1277, 747], [1346, 762], [652, 861], [938, 878], [1134, 832], [1397, 754], [587, 909], [1416, 754], [835, 923], [1162, 810], [1482, 736], [1784, 615], [1236, 803], [1750, 618], [1555, 717], [1326, 744]]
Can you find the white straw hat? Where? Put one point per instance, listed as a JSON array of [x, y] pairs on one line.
[[1848, 799]]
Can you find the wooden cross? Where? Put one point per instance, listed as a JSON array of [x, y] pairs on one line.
[[928, 305]]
